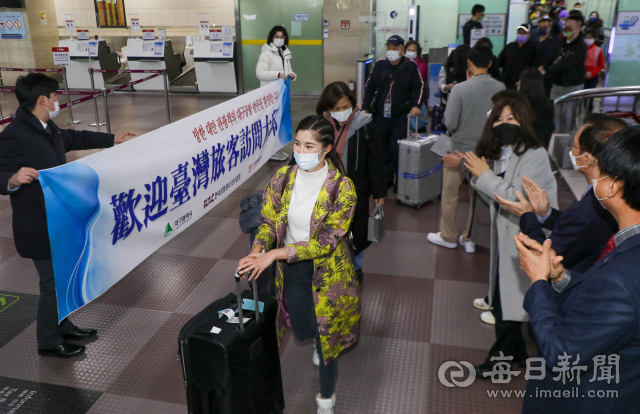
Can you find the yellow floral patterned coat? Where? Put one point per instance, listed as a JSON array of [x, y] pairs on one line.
[[335, 292]]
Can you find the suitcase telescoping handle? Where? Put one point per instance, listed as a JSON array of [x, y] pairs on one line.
[[409, 135], [239, 300]]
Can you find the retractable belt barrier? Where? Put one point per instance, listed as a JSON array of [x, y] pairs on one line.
[[94, 94]]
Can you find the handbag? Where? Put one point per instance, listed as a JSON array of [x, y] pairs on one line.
[[376, 229]]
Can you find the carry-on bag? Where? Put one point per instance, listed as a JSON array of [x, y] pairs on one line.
[[376, 229], [231, 364], [419, 170]]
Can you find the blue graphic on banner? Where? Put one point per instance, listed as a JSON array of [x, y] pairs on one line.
[[108, 212], [12, 26]]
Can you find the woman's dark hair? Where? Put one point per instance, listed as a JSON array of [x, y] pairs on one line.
[[504, 94], [31, 87], [484, 41], [532, 86], [273, 32], [332, 94], [597, 14], [593, 33], [598, 129], [620, 160], [416, 44], [322, 132], [489, 147]]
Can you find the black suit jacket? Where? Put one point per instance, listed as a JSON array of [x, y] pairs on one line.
[[25, 143], [580, 234]]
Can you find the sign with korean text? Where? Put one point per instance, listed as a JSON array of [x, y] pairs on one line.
[[83, 34], [12, 26], [109, 211], [301, 17], [493, 24], [135, 25], [148, 34], [70, 26], [204, 27], [61, 56], [476, 34], [215, 33]]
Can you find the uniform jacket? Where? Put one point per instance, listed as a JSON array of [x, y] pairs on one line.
[[25, 143], [597, 314], [579, 234], [335, 292], [533, 164], [270, 64]]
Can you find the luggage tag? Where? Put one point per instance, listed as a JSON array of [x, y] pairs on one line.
[[249, 304], [229, 313], [387, 110]]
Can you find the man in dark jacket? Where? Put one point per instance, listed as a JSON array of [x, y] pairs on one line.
[[397, 86], [545, 48], [580, 233], [477, 13], [30, 143], [566, 66], [517, 56]]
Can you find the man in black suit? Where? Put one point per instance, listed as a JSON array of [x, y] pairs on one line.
[[30, 143], [580, 233], [586, 325]]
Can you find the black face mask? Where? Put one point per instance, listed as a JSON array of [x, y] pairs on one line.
[[506, 134]]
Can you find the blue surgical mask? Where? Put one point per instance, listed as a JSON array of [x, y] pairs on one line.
[[521, 38], [308, 162], [542, 32], [593, 19], [561, 23]]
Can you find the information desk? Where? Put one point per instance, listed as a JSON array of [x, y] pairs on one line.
[[78, 69], [215, 66], [153, 55]]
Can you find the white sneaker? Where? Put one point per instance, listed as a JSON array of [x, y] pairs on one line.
[[325, 406], [279, 156], [487, 317], [316, 358], [436, 238], [469, 246], [333, 398], [481, 304]]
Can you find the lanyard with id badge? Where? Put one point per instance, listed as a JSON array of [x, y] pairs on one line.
[[387, 104]]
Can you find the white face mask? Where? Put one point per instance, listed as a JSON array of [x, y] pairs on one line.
[[574, 158], [589, 42], [278, 42], [411, 55], [341, 116], [393, 55], [56, 106], [308, 162], [595, 185]]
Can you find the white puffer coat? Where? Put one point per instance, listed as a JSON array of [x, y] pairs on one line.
[[270, 64]]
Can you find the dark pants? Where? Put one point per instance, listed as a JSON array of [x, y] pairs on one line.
[[509, 337], [590, 84], [390, 130], [49, 333], [302, 313]]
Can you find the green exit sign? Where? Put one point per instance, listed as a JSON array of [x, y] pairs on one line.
[[6, 301]]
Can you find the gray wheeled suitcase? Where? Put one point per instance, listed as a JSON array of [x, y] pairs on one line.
[[561, 151], [419, 171]]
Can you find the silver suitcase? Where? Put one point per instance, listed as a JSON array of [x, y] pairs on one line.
[[561, 151], [419, 171]]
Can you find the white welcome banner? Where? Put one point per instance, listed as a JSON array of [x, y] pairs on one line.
[[108, 212]]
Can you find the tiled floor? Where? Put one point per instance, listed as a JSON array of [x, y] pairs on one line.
[[417, 312]]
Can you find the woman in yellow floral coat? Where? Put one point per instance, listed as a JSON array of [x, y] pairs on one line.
[[307, 209]]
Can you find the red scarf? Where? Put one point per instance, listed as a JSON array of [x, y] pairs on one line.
[[341, 132]]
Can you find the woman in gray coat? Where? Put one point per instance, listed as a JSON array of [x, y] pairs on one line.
[[509, 140]]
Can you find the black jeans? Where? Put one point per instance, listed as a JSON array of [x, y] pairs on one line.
[[49, 333], [390, 130], [302, 313], [509, 337]]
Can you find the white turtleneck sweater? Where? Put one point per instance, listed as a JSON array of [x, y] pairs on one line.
[[304, 195]]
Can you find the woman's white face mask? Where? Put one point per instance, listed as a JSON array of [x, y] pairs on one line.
[[411, 54], [308, 162], [278, 42], [341, 116]]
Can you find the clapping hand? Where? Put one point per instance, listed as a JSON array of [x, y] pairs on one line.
[[538, 262], [537, 196], [453, 160], [477, 166], [517, 208]]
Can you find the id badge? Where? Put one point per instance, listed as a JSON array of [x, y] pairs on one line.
[[387, 110]]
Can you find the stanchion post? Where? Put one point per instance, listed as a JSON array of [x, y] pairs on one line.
[[66, 88], [106, 110], [95, 100], [166, 94]]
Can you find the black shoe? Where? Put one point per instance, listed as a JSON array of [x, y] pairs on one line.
[[77, 333], [65, 350], [360, 276]]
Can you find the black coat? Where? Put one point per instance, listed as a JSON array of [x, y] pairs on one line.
[[466, 30], [544, 123], [545, 50], [514, 59], [407, 90], [25, 143], [566, 66]]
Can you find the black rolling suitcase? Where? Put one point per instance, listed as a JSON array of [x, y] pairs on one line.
[[236, 371]]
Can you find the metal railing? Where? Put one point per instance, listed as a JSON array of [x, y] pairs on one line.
[[580, 97]]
